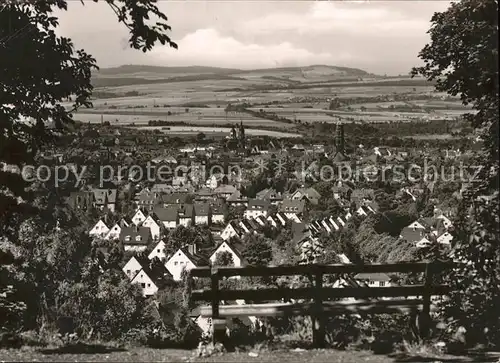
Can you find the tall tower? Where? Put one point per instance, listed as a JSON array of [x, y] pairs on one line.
[[340, 138], [241, 135]]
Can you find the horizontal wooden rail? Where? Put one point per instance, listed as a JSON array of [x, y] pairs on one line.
[[307, 308], [402, 267], [325, 293]]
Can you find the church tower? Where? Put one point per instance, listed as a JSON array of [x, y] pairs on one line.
[[241, 135], [340, 138]]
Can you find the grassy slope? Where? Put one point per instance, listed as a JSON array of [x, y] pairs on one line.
[[173, 355]]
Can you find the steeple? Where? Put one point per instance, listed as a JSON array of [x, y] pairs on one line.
[[340, 138]]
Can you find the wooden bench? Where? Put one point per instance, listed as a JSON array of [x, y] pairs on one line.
[[317, 297]]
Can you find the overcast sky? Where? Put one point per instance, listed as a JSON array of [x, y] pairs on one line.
[[381, 37]]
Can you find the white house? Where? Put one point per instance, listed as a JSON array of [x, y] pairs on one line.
[[424, 242], [341, 221], [180, 260], [168, 216], [202, 214], [229, 232], [147, 284], [132, 267], [446, 221], [138, 217], [260, 220], [99, 230], [212, 182], [271, 221], [415, 225], [153, 226], [204, 323], [361, 212], [114, 233], [158, 251], [445, 238], [281, 218], [374, 279], [256, 208], [217, 214], [225, 247], [328, 229], [335, 225]]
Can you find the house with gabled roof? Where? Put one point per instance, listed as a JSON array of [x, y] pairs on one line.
[[309, 194], [135, 238], [447, 223], [218, 212], [139, 217], [114, 232], [100, 230], [186, 214], [374, 279], [175, 199], [134, 265], [202, 214], [83, 200], [414, 232], [423, 242], [445, 238], [184, 259], [150, 279], [269, 194], [148, 200], [281, 218], [205, 194], [361, 212], [225, 191], [235, 249], [168, 216], [154, 224], [245, 227], [260, 220], [272, 221], [105, 199], [162, 188], [236, 198], [334, 223], [256, 208], [293, 209], [158, 252], [232, 230]]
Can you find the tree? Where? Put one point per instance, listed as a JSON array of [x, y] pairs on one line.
[[462, 58], [257, 251], [200, 136], [39, 70], [224, 258]]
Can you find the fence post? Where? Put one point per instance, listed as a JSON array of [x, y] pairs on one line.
[[218, 325], [424, 318], [318, 318]]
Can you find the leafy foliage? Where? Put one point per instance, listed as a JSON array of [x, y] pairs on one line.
[[463, 59], [224, 258], [39, 70]]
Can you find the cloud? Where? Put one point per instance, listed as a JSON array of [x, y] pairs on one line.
[[359, 18], [209, 47]]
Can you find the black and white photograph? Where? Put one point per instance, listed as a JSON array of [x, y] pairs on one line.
[[249, 181]]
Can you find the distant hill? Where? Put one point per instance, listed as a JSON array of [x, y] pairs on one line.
[[144, 74], [134, 68]]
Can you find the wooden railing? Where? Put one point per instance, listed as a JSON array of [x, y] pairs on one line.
[[320, 307]]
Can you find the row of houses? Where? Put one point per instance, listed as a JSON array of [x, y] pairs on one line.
[[424, 231]]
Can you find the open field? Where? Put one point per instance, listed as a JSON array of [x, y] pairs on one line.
[[199, 95], [193, 130]]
